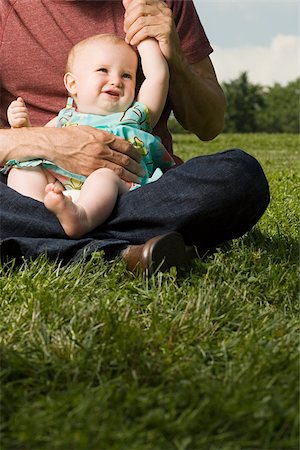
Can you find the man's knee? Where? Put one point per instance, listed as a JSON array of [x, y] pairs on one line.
[[253, 183], [253, 173]]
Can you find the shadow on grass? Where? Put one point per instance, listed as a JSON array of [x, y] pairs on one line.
[[280, 249], [273, 250]]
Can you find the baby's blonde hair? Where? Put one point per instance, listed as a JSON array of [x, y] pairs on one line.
[[77, 48]]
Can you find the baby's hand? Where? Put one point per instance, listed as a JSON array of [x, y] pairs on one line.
[[17, 114]]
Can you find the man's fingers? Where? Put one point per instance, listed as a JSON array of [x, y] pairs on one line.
[[148, 19], [125, 155], [125, 174], [120, 145], [141, 10], [93, 149], [126, 163], [122, 172], [138, 33]]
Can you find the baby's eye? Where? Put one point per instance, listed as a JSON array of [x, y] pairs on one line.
[[102, 69], [127, 75]]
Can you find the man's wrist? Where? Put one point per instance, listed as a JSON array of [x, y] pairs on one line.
[[23, 143]]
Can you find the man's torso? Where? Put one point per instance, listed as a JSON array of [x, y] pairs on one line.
[[36, 36]]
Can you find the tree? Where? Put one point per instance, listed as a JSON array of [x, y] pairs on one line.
[[244, 101], [254, 108], [281, 111]]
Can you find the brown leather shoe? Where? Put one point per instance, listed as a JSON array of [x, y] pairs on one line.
[[159, 253]]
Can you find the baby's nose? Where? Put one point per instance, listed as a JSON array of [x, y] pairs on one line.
[[116, 80]]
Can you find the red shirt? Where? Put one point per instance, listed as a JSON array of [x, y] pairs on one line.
[[36, 36]]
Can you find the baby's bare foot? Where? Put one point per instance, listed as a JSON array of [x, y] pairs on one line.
[[72, 217]]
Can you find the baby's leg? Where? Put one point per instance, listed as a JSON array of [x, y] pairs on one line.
[[96, 202], [30, 182]]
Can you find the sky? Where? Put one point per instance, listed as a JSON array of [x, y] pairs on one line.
[[260, 37]]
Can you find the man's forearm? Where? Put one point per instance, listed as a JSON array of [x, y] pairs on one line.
[[81, 149], [197, 99], [25, 143]]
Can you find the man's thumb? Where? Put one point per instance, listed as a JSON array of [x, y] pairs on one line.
[[126, 3]]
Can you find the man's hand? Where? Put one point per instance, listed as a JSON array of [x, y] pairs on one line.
[[17, 114], [79, 149], [88, 149], [151, 18], [196, 97]]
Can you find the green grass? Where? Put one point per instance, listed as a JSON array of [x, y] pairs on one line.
[[93, 358]]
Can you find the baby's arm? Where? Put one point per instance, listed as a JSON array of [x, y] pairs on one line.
[[17, 114], [154, 90]]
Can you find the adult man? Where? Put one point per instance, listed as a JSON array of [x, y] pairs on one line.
[[207, 200]]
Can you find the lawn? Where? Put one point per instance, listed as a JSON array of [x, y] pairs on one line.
[[94, 358]]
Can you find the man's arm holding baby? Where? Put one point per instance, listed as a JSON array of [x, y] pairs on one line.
[[78, 149], [197, 99]]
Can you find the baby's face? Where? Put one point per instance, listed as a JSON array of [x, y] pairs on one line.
[[105, 74]]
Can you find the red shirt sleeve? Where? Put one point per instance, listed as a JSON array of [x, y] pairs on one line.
[[194, 42]]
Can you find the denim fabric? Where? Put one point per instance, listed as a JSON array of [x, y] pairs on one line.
[[209, 199]]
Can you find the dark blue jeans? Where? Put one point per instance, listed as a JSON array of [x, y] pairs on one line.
[[209, 200]]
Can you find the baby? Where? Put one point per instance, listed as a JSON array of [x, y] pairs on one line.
[[101, 81]]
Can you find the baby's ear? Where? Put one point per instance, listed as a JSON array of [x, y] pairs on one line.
[[70, 83]]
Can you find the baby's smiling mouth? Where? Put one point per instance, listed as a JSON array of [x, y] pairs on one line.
[[112, 93]]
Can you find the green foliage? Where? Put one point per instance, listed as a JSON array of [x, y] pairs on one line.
[[254, 108], [281, 110], [93, 358], [244, 100]]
